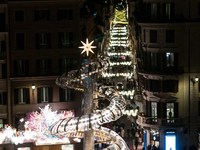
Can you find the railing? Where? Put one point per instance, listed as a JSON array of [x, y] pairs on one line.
[[144, 121]]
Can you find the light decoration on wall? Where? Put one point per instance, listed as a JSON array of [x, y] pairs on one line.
[[130, 112], [127, 93], [117, 74], [87, 47], [36, 128], [115, 54], [126, 63]]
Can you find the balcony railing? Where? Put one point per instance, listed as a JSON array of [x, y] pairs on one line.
[[159, 122]]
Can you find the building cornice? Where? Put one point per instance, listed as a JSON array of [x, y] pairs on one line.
[[33, 78]]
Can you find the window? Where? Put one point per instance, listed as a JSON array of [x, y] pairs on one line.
[[168, 11], [153, 60], [66, 94], [3, 98], [170, 86], [154, 11], [169, 59], [153, 36], [170, 110], [22, 96], [20, 67], [65, 39], [170, 36], [43, 66], [198, 108], [65, 14], [43, 40], [66, 65], [155, 85], [144, 32], [2, 46], [154, 109], [199, 9], [19, 15], [2, 22], [20, 41], [44, 94], [1, 124], [42, 15], [3, 71]]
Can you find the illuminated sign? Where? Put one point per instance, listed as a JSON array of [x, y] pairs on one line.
[[67, 147], [170, 142], [24, 148], [170, 132]]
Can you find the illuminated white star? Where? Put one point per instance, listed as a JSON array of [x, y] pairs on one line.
[[87, 47]]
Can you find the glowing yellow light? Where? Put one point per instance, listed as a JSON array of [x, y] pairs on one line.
[[87, 47]]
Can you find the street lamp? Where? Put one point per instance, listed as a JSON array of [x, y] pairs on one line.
[[194, 80], [33, 86]]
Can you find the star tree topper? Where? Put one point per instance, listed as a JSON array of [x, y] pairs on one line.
[[87, 47]]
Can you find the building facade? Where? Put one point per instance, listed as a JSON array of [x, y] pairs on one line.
[[168, 63], [4, 64]]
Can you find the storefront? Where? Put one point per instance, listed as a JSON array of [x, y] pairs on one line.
[[170, 140]]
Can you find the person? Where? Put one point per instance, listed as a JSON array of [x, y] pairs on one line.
[[128, 132], [122, 132], [133, 131], [127, 144], [122, 125], [136, 143], [108, 126], [140, 137], [170, 114]]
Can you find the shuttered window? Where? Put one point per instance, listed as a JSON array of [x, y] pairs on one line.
[[22, 96], [44, 94]]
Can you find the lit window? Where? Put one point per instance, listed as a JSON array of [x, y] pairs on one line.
[[168, 11], [154, 109], [154, 11], [43, 40], [65, 39], [44, 94], [22, 96], [1, 123], [67, 94], [170, 110], [170, 59]]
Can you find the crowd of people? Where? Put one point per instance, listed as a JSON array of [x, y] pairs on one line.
[[132, 131]]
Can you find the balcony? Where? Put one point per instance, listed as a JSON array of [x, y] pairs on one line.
[[159, 122]]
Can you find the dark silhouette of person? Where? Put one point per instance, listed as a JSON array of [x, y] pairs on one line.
[[136, 143], [170, 114]]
